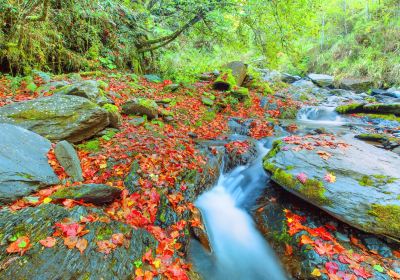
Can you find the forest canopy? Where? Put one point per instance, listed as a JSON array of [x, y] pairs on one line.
[[340, 37]]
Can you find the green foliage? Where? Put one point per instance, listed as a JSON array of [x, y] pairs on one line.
[[90, 146]]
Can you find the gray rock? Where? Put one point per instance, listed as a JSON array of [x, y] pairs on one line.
[[68, 159], [141, 106], [356, 84], [321, 80], [365, 193], [303, 83], [287, 78], [88, 89], [24, 167], [91, 193], [171, 87], [58, 117], [59, 262]]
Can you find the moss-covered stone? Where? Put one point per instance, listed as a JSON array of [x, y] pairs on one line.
[[387, 217], [241, 93], [91, 193], [350, 108], [376, 180], [371, 137]]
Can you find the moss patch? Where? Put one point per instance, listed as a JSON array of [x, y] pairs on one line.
[[387, 217], [371, 137], [33, 114], [90, 146], [225, 81], [350, 108], [376, 180], [110, 108]]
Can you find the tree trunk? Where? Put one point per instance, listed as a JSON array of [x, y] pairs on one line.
[[232, 75]]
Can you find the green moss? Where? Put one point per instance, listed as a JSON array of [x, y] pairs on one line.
[[148, 103], [371, 137], [104, 233], [376, 180], [389, 117], [241, 93], [387, 217], [90, 146], [109, 135], [276, 147], [225, 81], [33, 114], [350, 108], [110, 108]]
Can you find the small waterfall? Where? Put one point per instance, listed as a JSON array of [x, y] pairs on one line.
[[239, 250], [321, 114]]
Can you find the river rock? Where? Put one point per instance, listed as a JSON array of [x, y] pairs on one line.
[[356, 84], [88, 89], [59, 262], [287, 78], [321, 80], [68, 159], [141, 106], [91, 193], [58, 117], [365, 192], [239, 153], [24, 167]]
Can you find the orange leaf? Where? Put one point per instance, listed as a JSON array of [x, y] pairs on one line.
[[305, 239], [118, 239], [48, 242], [21, 245], [70, 241], [81, 244]]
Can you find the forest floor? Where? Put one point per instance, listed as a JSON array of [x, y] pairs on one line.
[[164, 153]]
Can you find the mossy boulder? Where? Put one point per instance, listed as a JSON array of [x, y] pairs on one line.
[[91, 193], [356, 84], [140, 107], [347, 197], [241, 93], [58, 117], [92, 90], [59, 262], [24, 167]]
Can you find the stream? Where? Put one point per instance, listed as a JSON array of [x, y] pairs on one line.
[[239, 251]]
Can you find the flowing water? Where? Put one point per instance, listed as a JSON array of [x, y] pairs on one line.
[[239, 251], [320, 115]]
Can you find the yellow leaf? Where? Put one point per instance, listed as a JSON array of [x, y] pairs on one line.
[[157, 263], [103, 165], [316, 272], [47, 200]]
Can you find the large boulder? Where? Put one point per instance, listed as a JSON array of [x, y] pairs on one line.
[[58, 117], [356, 84], [59, 262], [358, 184], [88, 89], [321, 80], [24, 168]]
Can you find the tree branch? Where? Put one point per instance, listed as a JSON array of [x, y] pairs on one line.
[[167, 39]]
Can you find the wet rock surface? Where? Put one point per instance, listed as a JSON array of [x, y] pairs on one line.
[[59, 117], [59, 262], [23, 163], [363, 195], [68, 158]]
